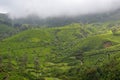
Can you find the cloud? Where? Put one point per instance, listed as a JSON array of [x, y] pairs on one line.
[[48, 8]]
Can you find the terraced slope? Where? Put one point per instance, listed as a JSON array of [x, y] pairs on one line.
[[65, 53]]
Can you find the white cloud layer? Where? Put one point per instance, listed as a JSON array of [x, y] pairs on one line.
[[48, 8]]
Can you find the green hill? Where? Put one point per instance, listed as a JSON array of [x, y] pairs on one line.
[[6, 28], [71, 52]]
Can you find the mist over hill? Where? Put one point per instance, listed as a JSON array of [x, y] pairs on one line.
[[63, 20], [54, 8]]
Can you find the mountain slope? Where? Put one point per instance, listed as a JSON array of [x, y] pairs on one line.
[[58, 53]]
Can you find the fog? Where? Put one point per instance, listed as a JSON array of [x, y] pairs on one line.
[[50, 8]]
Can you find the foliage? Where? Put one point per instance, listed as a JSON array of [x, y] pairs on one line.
[[71, 52]]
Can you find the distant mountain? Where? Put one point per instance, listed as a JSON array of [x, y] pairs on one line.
[[64, 20], [4, 19], [7, 27]]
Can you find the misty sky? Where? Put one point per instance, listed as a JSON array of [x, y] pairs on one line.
[[48, 8]]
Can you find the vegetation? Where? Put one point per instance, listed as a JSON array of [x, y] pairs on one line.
[[71, 52]]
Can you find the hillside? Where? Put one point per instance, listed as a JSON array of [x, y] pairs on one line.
[[8, 28], [71, 52]]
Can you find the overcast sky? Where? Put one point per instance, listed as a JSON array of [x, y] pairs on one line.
[[48, 8]]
